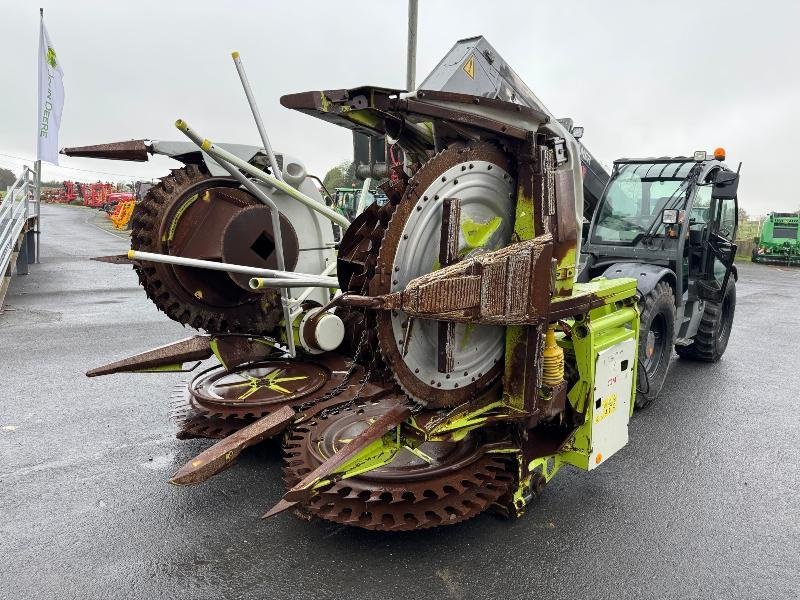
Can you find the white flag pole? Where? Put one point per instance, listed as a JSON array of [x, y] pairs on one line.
[[37, 166], [51, 97]]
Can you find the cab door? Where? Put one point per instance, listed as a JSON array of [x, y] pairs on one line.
[[719, 247]]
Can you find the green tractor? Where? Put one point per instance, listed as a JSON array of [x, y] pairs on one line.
[[351, 202], [670, 223], [779, 242]]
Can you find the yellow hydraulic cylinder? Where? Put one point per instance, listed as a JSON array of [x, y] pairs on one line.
[[552, 359]]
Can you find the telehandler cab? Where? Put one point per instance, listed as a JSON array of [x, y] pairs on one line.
[[670, 223]]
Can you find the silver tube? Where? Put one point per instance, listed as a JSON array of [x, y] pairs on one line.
[[217, 152], [183, 261], [306, 293], [258, 283], [411, 56], [256, 115], [25, 184], [38, 198]]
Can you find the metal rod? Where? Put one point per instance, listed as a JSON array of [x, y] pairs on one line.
[[411, 57], [326, 271], [273, 163], [183, 261], [258, 283], [38, 197], [220, 153]]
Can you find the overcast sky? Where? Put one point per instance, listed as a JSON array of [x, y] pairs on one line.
[[644, 78]]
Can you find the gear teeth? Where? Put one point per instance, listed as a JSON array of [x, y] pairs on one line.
[[415, 504], [258, 314]]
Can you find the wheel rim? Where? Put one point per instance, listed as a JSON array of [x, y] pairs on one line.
[[654, 344], [726, 317]]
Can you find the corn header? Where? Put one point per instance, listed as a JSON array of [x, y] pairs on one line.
[[441, 360]]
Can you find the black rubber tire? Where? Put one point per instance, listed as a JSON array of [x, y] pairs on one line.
[[657, 314], [256, 313], [715, 329]]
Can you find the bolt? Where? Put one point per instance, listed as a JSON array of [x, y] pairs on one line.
[[455, 181], [444, 178]]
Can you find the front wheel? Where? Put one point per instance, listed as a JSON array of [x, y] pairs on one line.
[[715, 329], [656, 332]]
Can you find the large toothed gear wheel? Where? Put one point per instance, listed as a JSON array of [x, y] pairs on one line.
[[479, 177], [456, 480], [220, 401], [192, 214]]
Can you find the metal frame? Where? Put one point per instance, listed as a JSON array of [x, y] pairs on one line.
[[15, 213]]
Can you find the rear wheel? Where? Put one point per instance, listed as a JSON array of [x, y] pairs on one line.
[[656, 332], [715, 329]]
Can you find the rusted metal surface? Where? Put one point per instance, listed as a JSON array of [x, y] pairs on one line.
[[375, 110], [343, 450], [361, 109], [186, 215], [457, 480], [195, 348], [235, 350], [133, 150], [221, 455], [248, 239], [220, 401], [114, 259], [510, 286], [448, 254]]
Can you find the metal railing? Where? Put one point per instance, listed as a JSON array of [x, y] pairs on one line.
[[19, 206]]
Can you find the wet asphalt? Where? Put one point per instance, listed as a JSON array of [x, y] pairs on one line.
[[704, 502]]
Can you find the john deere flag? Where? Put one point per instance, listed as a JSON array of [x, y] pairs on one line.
[[51, 99]]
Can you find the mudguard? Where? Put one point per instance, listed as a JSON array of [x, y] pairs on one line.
[[646, 275]]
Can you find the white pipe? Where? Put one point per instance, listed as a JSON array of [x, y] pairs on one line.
[[183, 261], [326, 271], [258, 283], [411, 51], [273, 163], [217, 152]]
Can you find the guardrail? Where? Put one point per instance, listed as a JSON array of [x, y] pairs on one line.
[[19, 223]]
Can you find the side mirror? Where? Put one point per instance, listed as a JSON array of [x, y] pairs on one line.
[[670, 216], [726, 184], [577, 132]]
